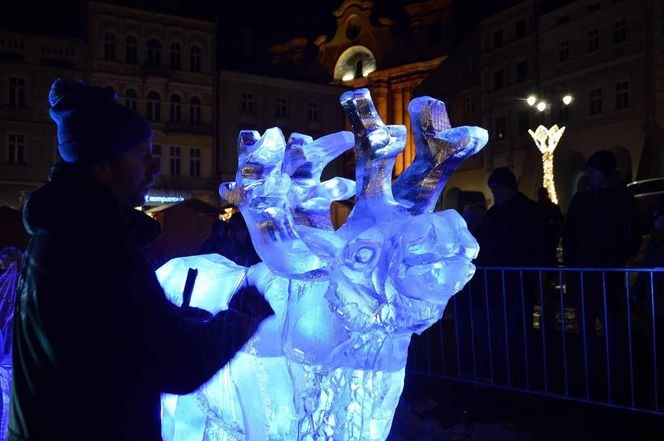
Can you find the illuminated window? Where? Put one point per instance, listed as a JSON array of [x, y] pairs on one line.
[[130, 99], [595, 101], [593, 40], [175, 161], [563, 51], [154, 106], [195, 59], [312, 113], [247, 102], [195, 162], [622, 95], [619, 31], [131, 50], [176, 108], [195, 110], [281, 106], [16, 92], [154, 52], [15, 149], [109, 46], [176, 56], [347, 63], [500, 128]]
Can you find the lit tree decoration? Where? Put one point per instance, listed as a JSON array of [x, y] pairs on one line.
[[546, 141]]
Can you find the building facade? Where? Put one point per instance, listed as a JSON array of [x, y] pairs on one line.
[[161, 65]]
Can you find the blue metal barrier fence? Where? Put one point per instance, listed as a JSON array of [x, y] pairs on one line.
[[584, 334]]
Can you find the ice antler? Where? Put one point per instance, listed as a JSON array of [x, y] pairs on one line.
[[278, 190], [439, 149]]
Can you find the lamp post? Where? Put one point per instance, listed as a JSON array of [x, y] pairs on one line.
[[546, 141]]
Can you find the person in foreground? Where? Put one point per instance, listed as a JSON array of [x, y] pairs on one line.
[[95, 340]]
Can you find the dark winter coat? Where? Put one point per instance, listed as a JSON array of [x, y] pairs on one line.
[[95, 340], [514, 233], [602, 228]]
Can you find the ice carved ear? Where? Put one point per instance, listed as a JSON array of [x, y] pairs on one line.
[[325, 244]]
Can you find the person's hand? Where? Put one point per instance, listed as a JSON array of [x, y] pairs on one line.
[[251, 309], [196, 314]]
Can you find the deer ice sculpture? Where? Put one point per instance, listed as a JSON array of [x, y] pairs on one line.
[[330, 364]]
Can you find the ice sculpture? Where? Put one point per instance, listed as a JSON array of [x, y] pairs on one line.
[[330, 364]]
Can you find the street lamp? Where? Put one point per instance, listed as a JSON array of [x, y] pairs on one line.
[[546, 141]]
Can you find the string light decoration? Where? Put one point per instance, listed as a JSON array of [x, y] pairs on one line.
[[546, 141]]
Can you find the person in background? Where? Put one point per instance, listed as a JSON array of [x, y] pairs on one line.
[[554, 221], [95, 341]]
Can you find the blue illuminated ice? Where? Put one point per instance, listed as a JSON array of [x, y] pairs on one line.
[[330, 364]]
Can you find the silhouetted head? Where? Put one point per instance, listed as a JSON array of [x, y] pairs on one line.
[[542, 194], [600, 167], [502, 183]]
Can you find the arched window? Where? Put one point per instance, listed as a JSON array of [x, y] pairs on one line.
[[109, 46], [154, 106], [131, 50], [176, 56], [176, 108], [130, 99], [356, 61], [195, 110], [195, 59], [154, 52]]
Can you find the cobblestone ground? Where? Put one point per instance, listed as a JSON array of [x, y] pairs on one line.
[[434, 409]]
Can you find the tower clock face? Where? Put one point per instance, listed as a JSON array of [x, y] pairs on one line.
[[354, 62]]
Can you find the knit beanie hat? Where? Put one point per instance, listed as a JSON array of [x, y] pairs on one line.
[[503, 176], [604, 161], [92, 125]]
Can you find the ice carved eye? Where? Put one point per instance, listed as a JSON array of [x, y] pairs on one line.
[[364, 255]]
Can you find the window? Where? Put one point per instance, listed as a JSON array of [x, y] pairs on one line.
[[619, 31], [595, 101], [247, 102], [131, 50], [16, 92], [281, 106], [622, 95], [563, 51], [175, 161], [563, 19], [523, 122], [176, 108], [498, 82], [16, 149], [195, 110], [109, 46], [195, 162], [154, 52], [312, 113], [470, 104], [156, 153], [593, 40], [497, 39], [520, 29], [130, 99], [435, 34], [176, 56], [521, 71], [154, 106], [500, 126], [195, 60]]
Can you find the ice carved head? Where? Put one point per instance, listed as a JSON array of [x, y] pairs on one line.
[[395, 262]]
